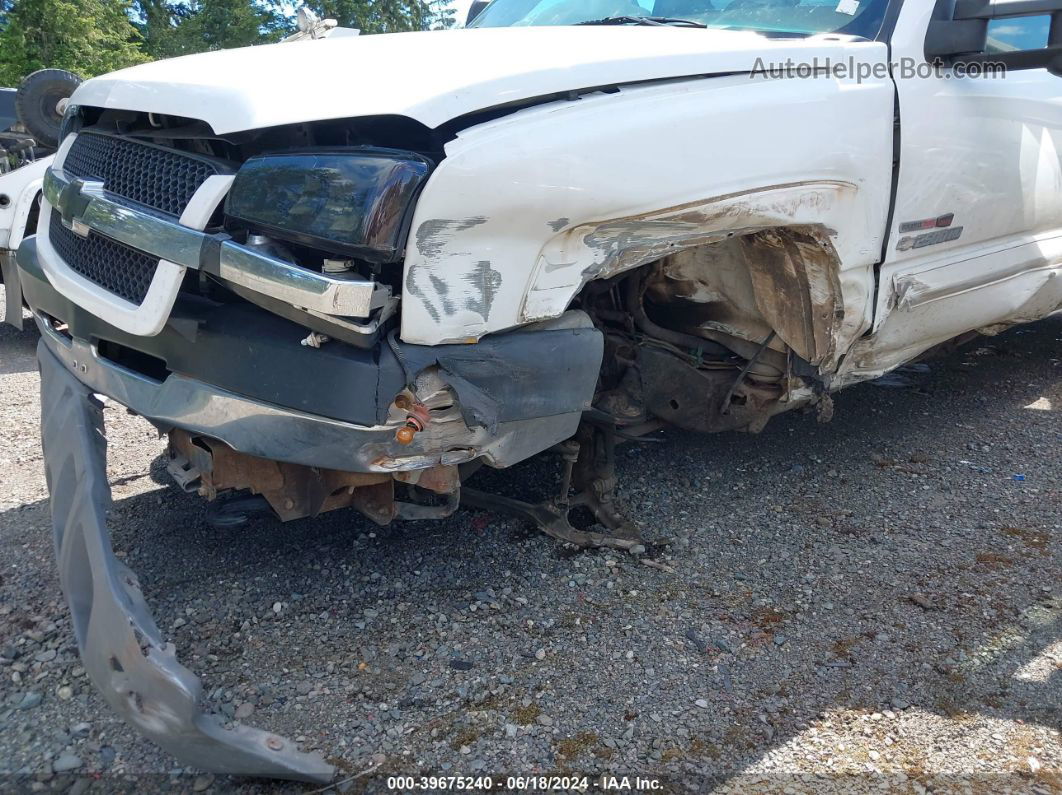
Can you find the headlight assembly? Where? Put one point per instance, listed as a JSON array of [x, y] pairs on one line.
[[355, 201]]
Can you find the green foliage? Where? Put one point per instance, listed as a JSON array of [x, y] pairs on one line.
[[158, 21], [222, 24], [374, 16], [88, 37], [441, 14], [91, 37]]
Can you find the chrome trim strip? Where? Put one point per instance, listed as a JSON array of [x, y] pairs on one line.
[[84, 205], [303, 288]]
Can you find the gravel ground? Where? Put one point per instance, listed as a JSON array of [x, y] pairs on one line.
[[875, 603]]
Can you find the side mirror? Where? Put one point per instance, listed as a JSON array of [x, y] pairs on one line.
[[958, 33], [475, 9]]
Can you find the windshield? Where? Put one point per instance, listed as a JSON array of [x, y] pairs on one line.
[[795, 17]]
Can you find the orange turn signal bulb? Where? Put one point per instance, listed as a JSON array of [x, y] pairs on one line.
[[405, 434], [416, 421]]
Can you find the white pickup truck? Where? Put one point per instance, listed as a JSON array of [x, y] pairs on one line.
[[30, 120], [346, 272]]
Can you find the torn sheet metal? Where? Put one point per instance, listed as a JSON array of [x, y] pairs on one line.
[[552, 197], [121, 647], [525, 374]]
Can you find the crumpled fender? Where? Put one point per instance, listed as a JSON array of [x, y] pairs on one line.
[[121, 647]]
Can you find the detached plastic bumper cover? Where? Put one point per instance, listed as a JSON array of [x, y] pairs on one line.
[[121, 647]]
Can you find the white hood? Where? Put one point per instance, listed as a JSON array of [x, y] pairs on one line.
[[436, 76]]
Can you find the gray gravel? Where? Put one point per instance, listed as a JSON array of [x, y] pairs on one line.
[[875, 602]]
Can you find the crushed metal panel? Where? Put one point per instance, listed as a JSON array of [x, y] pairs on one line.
[[785, 279], [123, 651], [795, 276], [602, 249]]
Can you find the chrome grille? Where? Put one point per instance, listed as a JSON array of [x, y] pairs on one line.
[[114, 266], [162, 179]]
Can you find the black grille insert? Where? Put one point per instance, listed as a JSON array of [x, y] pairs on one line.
[[114, 266], [162, 179]]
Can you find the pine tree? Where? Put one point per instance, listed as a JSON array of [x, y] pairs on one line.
[[441, 14], [376, 16], [222, 24], [157, 21], [88, 37]]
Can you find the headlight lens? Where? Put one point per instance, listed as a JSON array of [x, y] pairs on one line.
[[355, 201]]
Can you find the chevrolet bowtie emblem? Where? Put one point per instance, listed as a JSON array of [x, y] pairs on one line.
[[73, 202]]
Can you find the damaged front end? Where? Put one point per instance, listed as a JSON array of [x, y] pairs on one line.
[[261, 335], [496, 403], [242, 294]]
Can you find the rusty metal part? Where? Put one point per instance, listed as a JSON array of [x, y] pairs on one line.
[[589, 466], [293, 491], [690, 397], [440, 479], [122, 649], [376, 501]]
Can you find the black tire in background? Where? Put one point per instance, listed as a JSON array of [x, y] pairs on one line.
[[37, 103]]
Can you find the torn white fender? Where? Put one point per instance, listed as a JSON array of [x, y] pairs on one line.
[[527, 208]]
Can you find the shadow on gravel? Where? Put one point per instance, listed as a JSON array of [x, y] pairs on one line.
[[18, 349], [887, 561]]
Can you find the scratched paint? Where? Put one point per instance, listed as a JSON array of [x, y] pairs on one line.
[[484, 281], [433, 235]]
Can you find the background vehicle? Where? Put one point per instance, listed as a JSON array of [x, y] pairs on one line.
[[29, 131], [568, 229]]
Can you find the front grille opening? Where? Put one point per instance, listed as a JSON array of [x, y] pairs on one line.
[[114, 266], [159, 178], [139, 362]]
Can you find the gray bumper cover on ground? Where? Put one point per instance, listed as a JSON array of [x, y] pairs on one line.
[[122, 649]]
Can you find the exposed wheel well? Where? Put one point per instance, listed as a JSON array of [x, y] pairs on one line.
[[720, 335]]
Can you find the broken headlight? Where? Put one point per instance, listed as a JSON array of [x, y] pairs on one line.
[[350, 201]]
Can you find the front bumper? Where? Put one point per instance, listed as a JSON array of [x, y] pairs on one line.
[[123, 651], [237, 373]]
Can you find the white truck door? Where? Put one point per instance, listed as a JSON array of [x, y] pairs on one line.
[[976, 234]]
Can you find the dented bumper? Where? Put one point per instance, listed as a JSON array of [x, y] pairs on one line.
[[237, 373], [124, 653]]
